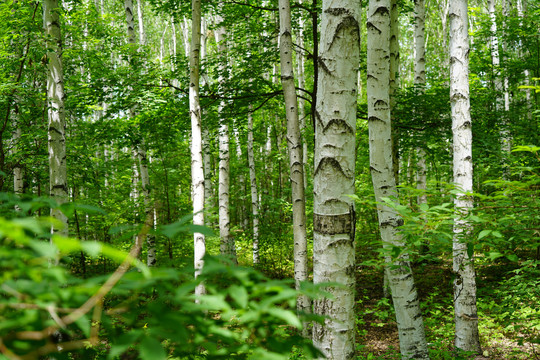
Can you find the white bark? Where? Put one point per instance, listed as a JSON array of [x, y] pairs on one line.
[[466, 317], [334, 216], [408, 316], [226, 247], [394, 85], [18, 170], [254, 191], [142, 34], [207, 164], [148, 207], [301, 102], [294, 143], [140, 150], [241, 178], [420, 80], [500, 84], [58, 189], [197, 171]]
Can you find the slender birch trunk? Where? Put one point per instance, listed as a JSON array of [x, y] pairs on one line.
[[207, 165], [226, 247], [301, 102], [18, 170], [500, 87], [294, 142], [333, 211], [140, 150], [149, 217], [197, 171], [420, 81], [253, 187], [466, 316], [58, 188], [407, 307], [241, 179], [394, 83]]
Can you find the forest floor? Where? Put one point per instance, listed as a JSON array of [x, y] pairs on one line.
[[377, 331]]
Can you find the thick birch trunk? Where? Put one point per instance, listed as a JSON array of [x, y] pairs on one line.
[[253, 187], [58, 189], [197, 171], [294, 142], [333, 210], [466, 317], [408, 316]]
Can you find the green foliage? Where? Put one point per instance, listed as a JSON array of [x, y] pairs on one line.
[[152, 312]]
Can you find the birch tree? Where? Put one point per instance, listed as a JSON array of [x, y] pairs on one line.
[[465, 312], [197, 171], [334, 175], [408, 316], [294, 143], [140, 149], [227, 242], [253, 188], [420, 81], [56, 113]]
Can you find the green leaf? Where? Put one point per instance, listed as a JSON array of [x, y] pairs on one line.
[[494, 255], [239, 295], [151, 349], [44, 248], [424, 207], [483, 234], [470, 250], [92, 248], [124, 342], [288, 316], [512, 257]]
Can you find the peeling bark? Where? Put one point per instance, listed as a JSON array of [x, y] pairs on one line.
[[335, 124], [405, 298], [58, 188]]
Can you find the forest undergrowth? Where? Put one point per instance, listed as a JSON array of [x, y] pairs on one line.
[[504, 333]]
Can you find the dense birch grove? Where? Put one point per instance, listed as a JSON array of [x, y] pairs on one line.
[[269, 179]]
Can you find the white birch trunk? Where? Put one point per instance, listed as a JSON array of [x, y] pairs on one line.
[[466, 317], [500, 86], [408, 316], [334, 176], [197, 171], [253, 188], [148, 207], [394, 84], [18, 170], [294, 143], [420, 80], [226, 247], [521, 5], [207, 164], [241, 178], [301, 102], [58, 189]]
